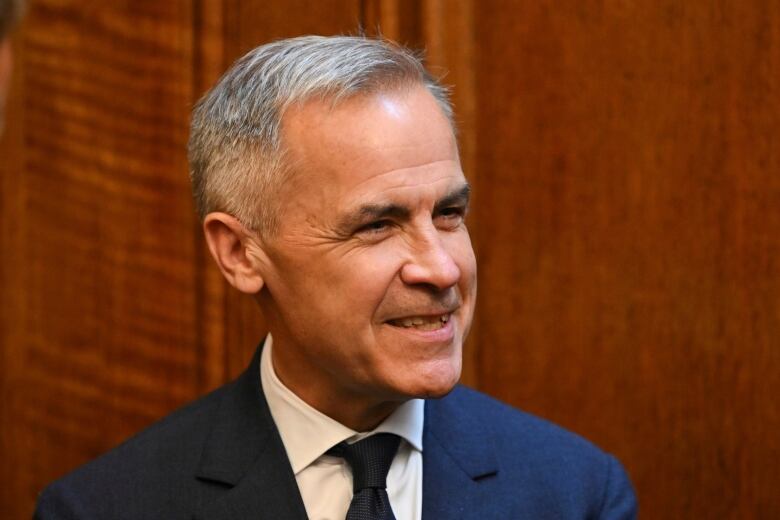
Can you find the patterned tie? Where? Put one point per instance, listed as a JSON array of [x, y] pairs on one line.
[[370, 460]]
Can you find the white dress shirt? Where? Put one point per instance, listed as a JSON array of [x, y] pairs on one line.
[[325, 482]]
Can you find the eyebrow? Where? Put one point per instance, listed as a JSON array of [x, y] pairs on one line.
[[457, 198], [372, 212]]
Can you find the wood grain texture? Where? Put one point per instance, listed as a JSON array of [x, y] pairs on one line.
[[11, 160], [628, 207], [99, 337], [625, 216], [113, 313]]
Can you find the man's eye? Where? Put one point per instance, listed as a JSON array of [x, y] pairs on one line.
[[452, 216], [375, 227]]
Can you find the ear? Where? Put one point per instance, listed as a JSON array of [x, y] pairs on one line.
[[228, 241]]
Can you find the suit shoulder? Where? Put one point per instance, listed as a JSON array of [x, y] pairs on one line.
[[563, 469], [517, 426], [538, 461], [525, 440], [172, 437], [147, 466]]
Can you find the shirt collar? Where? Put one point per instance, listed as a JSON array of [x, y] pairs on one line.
[[307, 433]]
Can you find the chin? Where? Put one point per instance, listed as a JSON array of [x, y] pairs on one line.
[[436, 393], [431, 384]]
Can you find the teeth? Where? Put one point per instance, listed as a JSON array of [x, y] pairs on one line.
[[423, 322]]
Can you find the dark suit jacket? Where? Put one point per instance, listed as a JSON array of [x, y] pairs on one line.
[[221, 458]]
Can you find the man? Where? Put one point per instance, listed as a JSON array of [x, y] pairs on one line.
[[327, 175], [9, 14]]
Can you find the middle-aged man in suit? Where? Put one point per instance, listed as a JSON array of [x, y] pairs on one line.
[[327, 175], [10, 11]]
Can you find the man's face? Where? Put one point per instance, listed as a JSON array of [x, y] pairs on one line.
[[371, 278]]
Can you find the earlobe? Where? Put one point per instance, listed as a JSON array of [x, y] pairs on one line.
[[228, 242]]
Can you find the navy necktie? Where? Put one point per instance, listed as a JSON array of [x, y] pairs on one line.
[[370, 460]]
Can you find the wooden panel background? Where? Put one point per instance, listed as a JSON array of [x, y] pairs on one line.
[[98, 275], [628, 175], [626, 221]]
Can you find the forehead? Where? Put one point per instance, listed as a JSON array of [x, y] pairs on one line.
[[369, 146]]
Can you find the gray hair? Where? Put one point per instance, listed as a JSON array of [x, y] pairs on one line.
[[10, 12], [235, 151]]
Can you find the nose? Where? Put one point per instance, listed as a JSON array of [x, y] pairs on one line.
[[431, 263]]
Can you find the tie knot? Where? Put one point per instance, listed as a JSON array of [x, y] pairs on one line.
[[369, 458]]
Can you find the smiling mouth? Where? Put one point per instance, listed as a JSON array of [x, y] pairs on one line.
[[422, 322]]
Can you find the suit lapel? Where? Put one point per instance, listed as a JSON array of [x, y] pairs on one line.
[[267, 492], [245, 454], [458, 461]]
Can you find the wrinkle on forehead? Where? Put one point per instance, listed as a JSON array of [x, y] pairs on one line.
[[409, 176], [378, 149], [395, 147]]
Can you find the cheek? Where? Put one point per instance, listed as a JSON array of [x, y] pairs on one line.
[[349, 287], [377, 267], [463, 255], [372, 269]]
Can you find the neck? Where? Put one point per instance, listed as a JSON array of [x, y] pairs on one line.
[[353, 409]]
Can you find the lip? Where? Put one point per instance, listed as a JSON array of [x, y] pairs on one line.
[[426, 314], [444, 334]]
